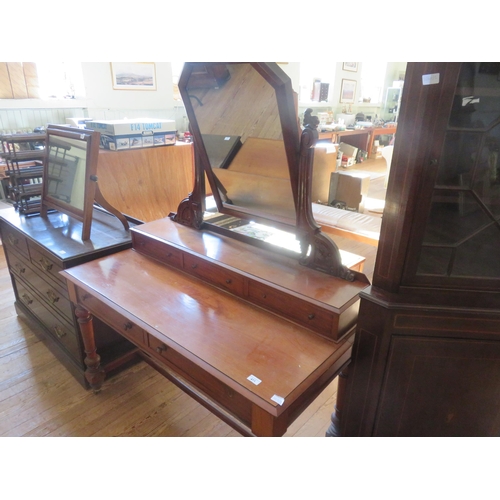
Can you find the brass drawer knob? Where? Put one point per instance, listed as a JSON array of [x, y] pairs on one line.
[[128, 326], [194, 266], [21, 269], [27, 298], [311, 316], [229, 281], [161, 348], [12, 239], [52, 296], [59, 331], [46, 264]]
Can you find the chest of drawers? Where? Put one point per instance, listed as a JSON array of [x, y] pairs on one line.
[[37, 249]]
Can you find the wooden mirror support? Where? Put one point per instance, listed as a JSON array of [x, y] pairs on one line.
[[266, 174], [69, 176]]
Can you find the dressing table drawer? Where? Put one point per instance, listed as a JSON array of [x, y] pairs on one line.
[[45, 264], [57, 326], [214, 274], [200, 378], [146, 246], [14, 241], [118, 322], [304, 313]]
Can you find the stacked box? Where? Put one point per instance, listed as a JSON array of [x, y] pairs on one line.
[[349, 190], [117, 135], [349, 154]]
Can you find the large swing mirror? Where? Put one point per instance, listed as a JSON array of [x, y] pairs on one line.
[[248, 143], [69, 175]]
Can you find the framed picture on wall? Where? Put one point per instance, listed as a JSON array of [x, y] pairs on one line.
[[133, 75], [350, 66], [348, 91]]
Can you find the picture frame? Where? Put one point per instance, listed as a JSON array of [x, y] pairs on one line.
[[133, 75], [350, 66], [348, 91]]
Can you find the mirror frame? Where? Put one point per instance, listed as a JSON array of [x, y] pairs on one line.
[[318, 250]]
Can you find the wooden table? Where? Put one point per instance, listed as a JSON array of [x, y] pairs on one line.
[[251, 366], [376, 131]]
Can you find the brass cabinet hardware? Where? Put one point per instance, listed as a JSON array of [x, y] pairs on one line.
[[59, 331], [228, 281], [45, 263], [20, 267], [12, 239], [52, 296], [128, 325], [311, 316], [27, 298]]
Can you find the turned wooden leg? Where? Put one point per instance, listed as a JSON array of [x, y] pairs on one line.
[[94, 373], [334, 429]]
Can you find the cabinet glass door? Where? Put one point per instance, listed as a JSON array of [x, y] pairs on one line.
[[462, 232]]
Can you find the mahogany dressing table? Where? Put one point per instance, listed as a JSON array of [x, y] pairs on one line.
[[251, 330]]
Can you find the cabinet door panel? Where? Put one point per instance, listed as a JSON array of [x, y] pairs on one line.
[[440, 387]]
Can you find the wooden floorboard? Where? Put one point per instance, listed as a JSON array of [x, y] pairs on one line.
[[39, 397]]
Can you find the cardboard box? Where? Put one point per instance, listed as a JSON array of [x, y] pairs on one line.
[[348, 190], [349, 154], [117, 135]]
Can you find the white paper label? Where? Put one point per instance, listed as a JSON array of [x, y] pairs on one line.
[[254, 379], [431, 79], [278, 399]]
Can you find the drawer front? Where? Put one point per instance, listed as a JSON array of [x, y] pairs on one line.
[[56, 297], [14, 241], [63, 332], [147, 246], [207, 383], [213, 274], [118, 322], [304, 313], [46, 264]]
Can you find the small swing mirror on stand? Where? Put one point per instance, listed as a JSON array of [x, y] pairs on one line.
[[69, 176]]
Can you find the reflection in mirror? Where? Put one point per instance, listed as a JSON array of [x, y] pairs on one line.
[[66, 161], [239, 121]]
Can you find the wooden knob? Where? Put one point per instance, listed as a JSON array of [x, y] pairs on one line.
[[311, 316], [161, 348], [228, 281]]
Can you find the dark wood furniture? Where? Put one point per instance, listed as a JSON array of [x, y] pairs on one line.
[[251, 329], [216, 315], [426, 357], [36, 250]]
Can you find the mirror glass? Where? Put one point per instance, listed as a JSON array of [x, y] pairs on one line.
[[66, 163], [237, 113]]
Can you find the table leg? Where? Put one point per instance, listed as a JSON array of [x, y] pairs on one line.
[[94, 373], [334, 429], [265, 425]]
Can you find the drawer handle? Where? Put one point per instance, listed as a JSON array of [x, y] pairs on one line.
[[264, 296], [86, 296], [46, 265], [169, 254], [20, 268], [194, 266], [27, 298], [52, 296], [229, 281], [12, 239], [59, 331], [311, 316], [128, 326], [161, 348]]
